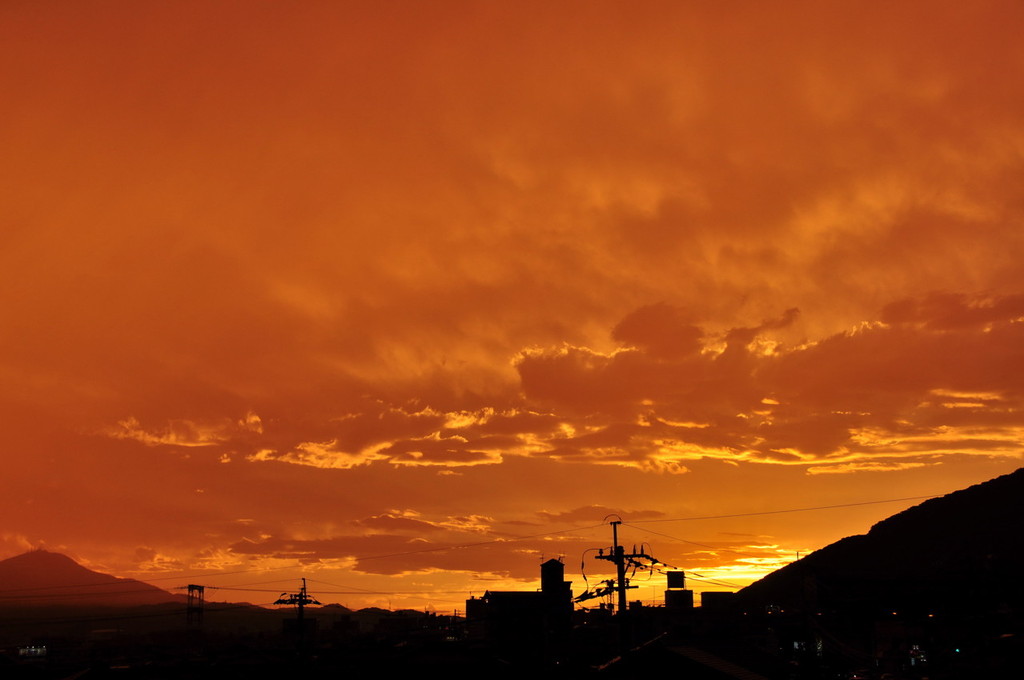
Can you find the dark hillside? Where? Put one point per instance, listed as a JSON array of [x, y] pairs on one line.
[[963, 550]]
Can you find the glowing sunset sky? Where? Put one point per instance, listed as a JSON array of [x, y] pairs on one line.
[[294, 285]]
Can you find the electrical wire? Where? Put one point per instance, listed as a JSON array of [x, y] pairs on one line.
[[4, 594], [780, 512], [702, 545], [712, 581], [114, 593], [338, 585], [474, 545], [510, 539], [121, 617], [361, 591]]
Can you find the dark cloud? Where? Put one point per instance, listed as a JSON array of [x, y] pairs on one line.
[[796, 404], [954, 311], [392, 554], [496, 260], [390, 522], [590, 512], [660, 330]]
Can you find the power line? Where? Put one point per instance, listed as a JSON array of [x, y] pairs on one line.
[[361, 591], [510, 539], [779, 512], [690, 574], [712, 581], [107, 584], [473, 545], [216, 574], [702, 545], [119, 617], [258, 583], [114, 593], [338, 585]]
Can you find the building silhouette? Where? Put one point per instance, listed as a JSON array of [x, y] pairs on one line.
[[528, 624]]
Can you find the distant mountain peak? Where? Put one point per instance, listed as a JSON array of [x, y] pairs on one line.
[[42, 556], [41, 577]]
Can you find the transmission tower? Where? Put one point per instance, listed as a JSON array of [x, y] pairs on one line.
[[196, 602]]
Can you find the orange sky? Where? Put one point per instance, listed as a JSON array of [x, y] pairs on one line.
[[316, 282]]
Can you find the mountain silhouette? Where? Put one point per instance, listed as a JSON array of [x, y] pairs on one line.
[[961, 552], [43, 578]]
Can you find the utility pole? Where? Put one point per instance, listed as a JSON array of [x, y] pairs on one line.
[[620, 558], [300, 600]]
